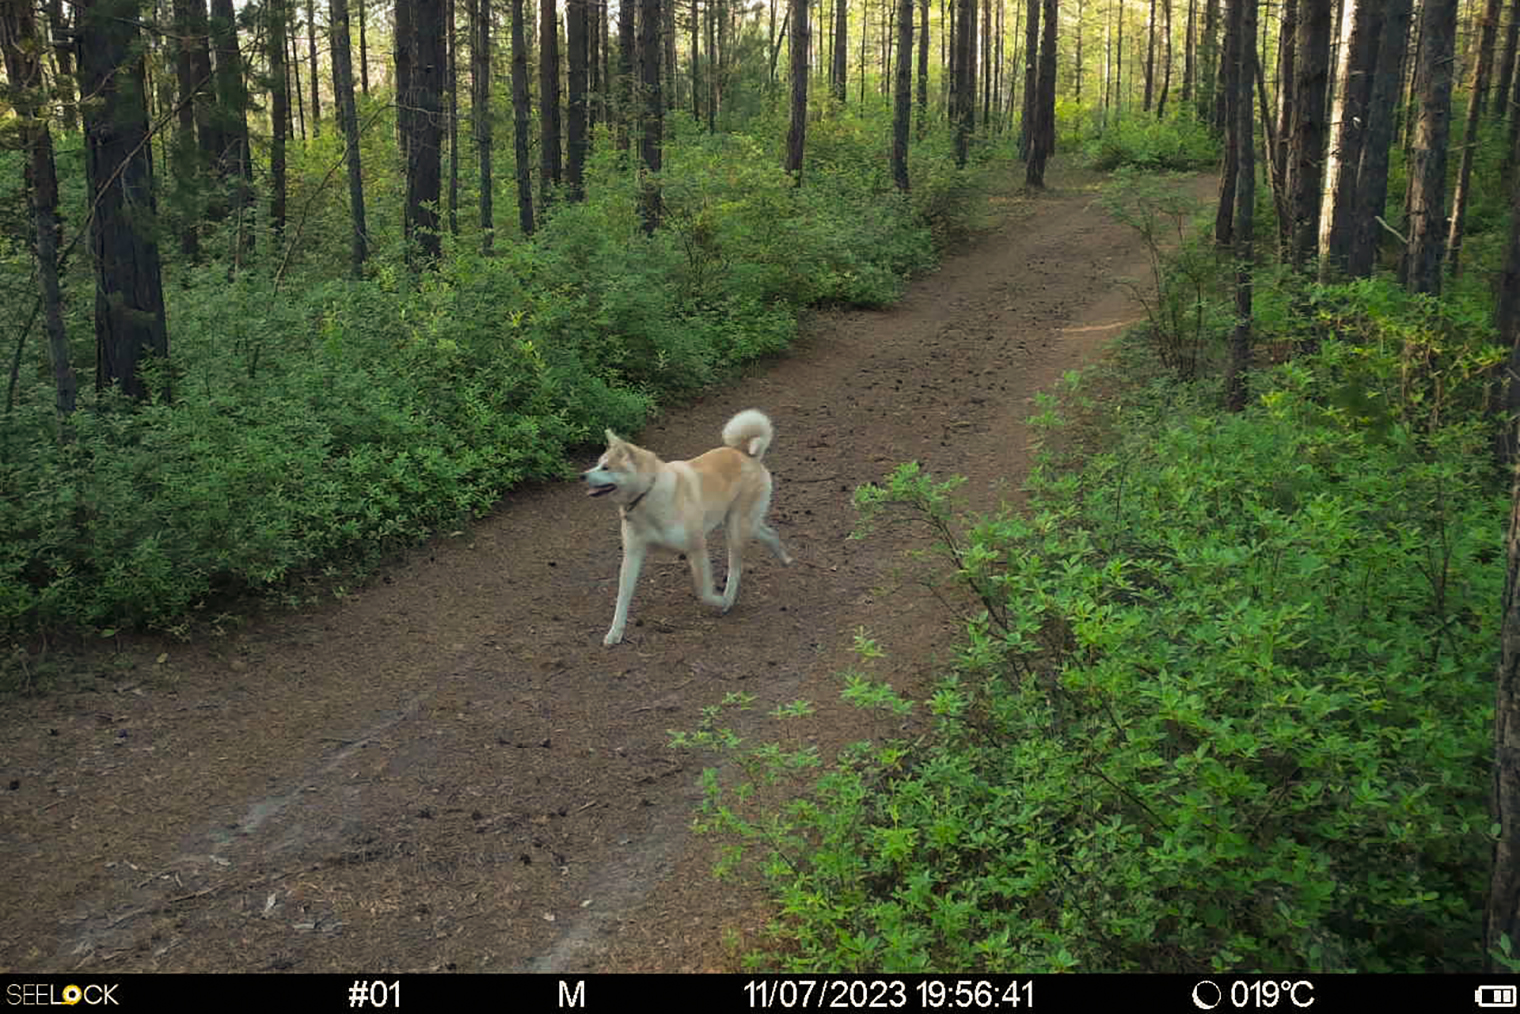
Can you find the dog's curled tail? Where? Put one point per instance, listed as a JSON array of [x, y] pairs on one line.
[[749, 431]]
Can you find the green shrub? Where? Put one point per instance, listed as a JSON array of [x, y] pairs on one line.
[[1224, 703]]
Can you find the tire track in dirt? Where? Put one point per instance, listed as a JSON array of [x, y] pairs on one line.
[[447, 771]]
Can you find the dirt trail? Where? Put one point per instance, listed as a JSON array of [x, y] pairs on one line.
[[447, 771]]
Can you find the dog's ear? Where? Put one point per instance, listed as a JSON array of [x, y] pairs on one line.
[[612, 438]]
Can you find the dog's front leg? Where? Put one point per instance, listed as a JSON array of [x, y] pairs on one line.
[[633, 561]]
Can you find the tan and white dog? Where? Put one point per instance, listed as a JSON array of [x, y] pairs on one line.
[[674, 504]]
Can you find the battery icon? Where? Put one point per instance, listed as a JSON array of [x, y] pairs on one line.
[[1495, 996]]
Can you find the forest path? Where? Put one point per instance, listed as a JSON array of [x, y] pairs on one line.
[[447, 770]]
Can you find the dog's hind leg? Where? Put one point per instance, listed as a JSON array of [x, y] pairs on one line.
[[628, 577], [701, 572], [766, 534]]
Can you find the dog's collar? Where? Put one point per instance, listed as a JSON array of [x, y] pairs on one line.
[[629, 509]]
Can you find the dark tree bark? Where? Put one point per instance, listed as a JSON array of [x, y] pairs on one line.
[[1150, 58], [25, 91], [1507, 319], [1042, 142], [548, 99], [1307, 147], [839, 69], [316, 78], [965, 78], [129, 294], [276, 18], [363, 51], [1483, 71], [1507, 65], [348, 122], [1031, 76], [575, 119], [1166, 72], [229, 118], [520, 114], [1286, 73], [923, 70], [404, 45], [192, 69], [627, 50], [1361, 28], [1229, 90], [1501, 915], [480, 116], [1236, 383], [1189, 54], [1205, 88], [63, 86], [1372, 179], [451, 86], [1425, 205], [650, 203], [903, 100], [424, 149], [1481, 75], [796, 136]]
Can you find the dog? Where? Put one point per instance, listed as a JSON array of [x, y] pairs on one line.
[[674, 504]]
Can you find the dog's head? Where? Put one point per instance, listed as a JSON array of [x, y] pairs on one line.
[[618, 473]]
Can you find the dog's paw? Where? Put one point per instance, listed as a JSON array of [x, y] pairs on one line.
[[613, 637]]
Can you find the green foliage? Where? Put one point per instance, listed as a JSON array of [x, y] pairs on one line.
[[1224, 701], [311, 424], [1178, 143], [1188, 319]]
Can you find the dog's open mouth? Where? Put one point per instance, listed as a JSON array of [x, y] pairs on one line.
[[602, 490]]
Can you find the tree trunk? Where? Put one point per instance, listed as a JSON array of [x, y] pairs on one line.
[[129, 295], [1281, 159], [627, 47], [796, 136], [841, 49], [1470, 135], [24, 92], [424, 149], [480, 116], [1372, 179], [1189, 58], [923, 71], [348, 121], [1150, 58], [451, 86], [1166, 71], [1361, 25], [1501, 915], [229, 117], [1307, 147], [650, 208], [965, 78], [575, 109], [1488, 33], [1228, 91], [1042, 142], [316, 79], [1208, 62], [548, 99], [1507, 66], [903, 106], [1031, 77], [276, 18], [1236, 383], [1425, 206], [63, 52], [520, 127], [363, 51]]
